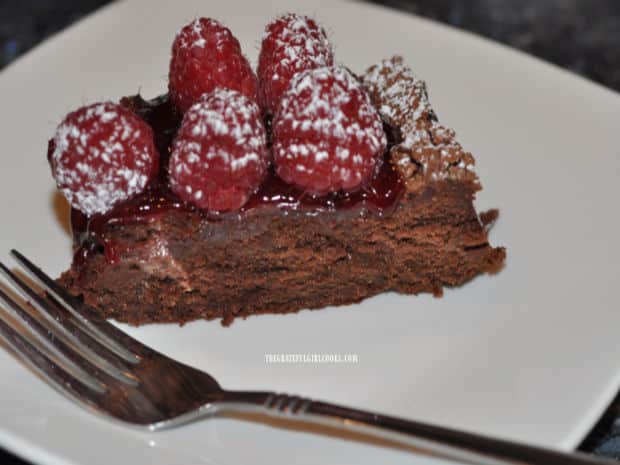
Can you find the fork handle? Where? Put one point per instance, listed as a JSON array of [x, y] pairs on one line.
[[470, 448]]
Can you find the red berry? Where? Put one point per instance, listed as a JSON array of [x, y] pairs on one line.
[[219, 156], [102, 154], [291, 43], [327, 135], [205, 56]]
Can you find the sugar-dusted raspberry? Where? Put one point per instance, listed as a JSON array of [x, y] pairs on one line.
[[327, 136], [291, 43], [205, 56], [102, 154], [219, 156]]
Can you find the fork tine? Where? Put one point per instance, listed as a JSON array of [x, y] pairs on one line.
[[72, 352], [51, 371], [65, 323], [106, 333]]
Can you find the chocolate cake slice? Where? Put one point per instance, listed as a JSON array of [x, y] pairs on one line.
[[413, 229]]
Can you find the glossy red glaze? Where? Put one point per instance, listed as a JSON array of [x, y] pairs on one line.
[[379, 197]]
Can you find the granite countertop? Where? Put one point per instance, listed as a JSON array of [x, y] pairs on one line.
[[579, 35]]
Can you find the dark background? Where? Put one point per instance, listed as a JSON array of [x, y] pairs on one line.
[[579, 35]]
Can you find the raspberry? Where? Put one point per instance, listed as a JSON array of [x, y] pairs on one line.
[[205, 56], [327, 136], [219, 156], [102, 154], [291, 43]]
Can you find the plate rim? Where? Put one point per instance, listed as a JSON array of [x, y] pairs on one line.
[[44, 456]]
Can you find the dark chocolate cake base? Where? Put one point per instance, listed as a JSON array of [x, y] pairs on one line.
[[180, 266], [413, 229]]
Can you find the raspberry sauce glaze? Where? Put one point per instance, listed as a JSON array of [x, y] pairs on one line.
[[380, 197]]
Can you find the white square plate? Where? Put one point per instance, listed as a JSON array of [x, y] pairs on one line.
[[530, 354]]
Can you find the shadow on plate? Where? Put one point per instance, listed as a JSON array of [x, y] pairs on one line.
[[304, 426]]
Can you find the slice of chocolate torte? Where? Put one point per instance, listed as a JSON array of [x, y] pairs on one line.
[[163, 250]]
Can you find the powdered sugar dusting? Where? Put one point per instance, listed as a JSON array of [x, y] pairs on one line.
[[291, 43], [222, 141], [205, 56], [305, 46], [103, 154], [398, 93], [428, 150], [327, 124], [193, 35]]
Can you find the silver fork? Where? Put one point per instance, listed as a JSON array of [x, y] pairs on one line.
[[104, 369]]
